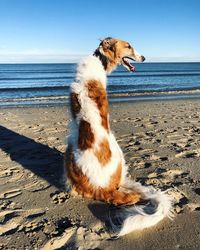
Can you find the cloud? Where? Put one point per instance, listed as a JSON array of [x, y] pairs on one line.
[[66, 56]]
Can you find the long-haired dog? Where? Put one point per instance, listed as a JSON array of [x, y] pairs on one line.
[[94, 162]]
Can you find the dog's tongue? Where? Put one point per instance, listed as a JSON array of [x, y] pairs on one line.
[[128, 64], [133, 68]]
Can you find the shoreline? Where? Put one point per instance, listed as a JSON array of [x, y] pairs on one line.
[[52, 101], [160, 142]]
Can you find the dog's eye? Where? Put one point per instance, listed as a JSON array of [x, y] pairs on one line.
[[129, 46]]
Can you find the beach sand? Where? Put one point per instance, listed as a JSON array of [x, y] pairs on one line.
[[160, 141]]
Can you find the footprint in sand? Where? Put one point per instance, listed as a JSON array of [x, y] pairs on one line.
[[31, 227], [10, 227], [77, 238], [4, 215], [180, 200], [162, 177], [5, 173], [17, 176], [36, 185], [13, 173], [165, 177], [19, 219], [188, 154], [62, 241], [10, 194], [146, 160], [59, 197], [154, 157], [30, 222]]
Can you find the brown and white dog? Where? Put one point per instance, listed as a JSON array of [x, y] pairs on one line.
[[94, 162]]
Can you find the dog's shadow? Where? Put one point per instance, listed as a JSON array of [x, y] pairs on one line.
[[107, 214], [40, 159]]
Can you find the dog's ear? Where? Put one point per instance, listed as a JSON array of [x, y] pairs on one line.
[[108, 44]]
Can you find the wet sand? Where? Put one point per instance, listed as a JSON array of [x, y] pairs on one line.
[[161, 143]]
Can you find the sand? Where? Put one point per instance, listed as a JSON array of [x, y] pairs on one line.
[[160, 141]]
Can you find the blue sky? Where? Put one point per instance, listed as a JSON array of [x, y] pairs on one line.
[[65, 30]]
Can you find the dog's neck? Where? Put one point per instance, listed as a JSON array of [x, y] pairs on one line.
[[91, 68], [102, 58], [95, 67], [108, 65]]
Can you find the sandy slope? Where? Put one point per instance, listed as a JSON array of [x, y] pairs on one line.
[[161, 142]]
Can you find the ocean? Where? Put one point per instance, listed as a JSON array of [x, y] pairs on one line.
[[24, 85]]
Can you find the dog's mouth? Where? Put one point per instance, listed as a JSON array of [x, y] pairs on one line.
[[127, 64]]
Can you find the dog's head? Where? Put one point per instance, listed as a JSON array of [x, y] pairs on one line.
[[115, 52]]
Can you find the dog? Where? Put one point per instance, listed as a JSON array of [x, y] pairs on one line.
[[94, 163]]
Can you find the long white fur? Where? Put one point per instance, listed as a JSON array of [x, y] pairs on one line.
[[91, 68], [134, 217], [139, 217], [90, 113]]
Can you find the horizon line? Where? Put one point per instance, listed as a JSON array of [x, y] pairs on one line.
[[1, 63]]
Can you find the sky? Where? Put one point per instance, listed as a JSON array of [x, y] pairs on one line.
[[66, 30]]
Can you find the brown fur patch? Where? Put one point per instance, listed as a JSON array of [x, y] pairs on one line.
[[75, 105], [103, 153], [110, 194], [116, 178], [86, 136], [97, 93]]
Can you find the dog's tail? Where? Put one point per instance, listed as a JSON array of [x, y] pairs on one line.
[[157, 205]]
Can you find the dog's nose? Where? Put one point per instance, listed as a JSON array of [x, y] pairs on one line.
[[143, 58]]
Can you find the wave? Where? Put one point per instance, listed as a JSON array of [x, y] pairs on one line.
[[37, 71], [150, 91], [37, 78], [154, 75], [143, 88], [113, 76], [157, 93], [34, 88], [64, 100]]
